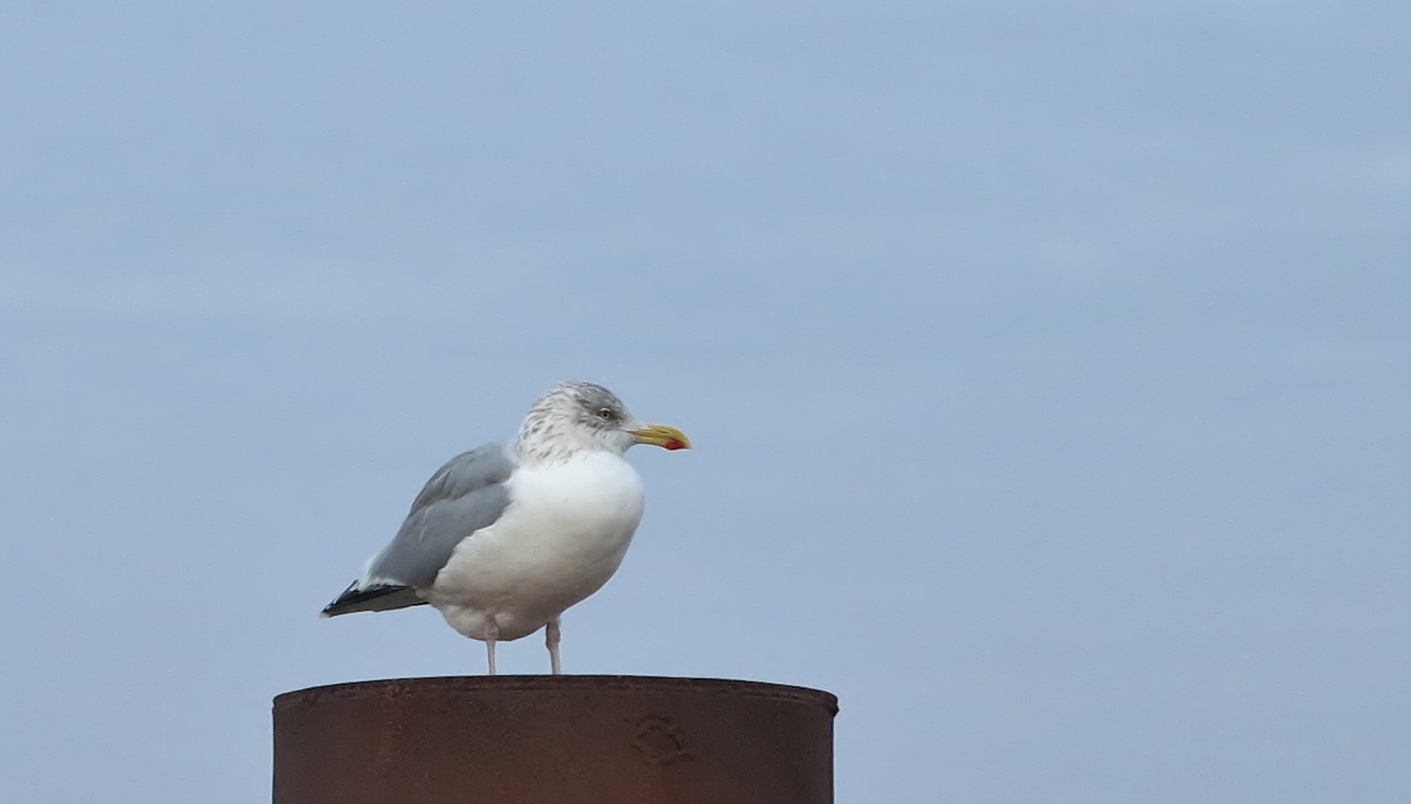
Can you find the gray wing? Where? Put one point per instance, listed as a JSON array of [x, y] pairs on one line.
[[465, 495]]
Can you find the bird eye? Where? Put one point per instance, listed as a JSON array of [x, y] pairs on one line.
[[606, 414]]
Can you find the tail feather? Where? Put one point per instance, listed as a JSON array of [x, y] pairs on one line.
[[378, 597]]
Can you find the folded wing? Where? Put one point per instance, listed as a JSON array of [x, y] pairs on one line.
[[465, 495]]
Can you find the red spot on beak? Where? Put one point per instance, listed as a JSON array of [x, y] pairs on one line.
[[673, 444]]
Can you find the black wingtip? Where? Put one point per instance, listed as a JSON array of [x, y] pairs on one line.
[[378, 597]]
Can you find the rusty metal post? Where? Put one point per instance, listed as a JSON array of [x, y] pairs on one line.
[[554, 740]]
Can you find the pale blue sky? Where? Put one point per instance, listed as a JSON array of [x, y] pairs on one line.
[[1049, 367]]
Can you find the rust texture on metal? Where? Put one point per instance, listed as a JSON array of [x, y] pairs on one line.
[[554, 740]]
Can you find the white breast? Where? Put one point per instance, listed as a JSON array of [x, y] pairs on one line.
[[562, 537]]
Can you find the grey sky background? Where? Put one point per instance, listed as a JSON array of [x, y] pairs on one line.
[[1047, 364]]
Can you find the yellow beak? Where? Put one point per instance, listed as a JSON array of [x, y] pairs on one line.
[[661, 435]]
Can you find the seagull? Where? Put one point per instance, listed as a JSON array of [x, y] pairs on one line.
[[506, 537]]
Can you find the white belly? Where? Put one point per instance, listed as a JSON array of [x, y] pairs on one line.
[[562, 537]]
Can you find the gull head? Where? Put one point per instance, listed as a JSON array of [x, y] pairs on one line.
[[575, 417]]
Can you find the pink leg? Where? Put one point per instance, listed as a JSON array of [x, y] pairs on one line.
[[492, 633], [551, 638]]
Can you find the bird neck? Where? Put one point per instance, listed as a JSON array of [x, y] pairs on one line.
[[545, 441]]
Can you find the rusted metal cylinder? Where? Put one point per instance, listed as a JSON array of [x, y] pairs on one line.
[[554, 740]]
